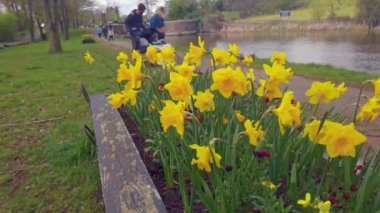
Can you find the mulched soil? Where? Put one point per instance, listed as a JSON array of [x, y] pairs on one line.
[[170, 195]]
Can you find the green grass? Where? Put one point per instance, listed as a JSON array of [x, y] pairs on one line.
[[51, 166], [314, 9], [231, 15], [325, 72]]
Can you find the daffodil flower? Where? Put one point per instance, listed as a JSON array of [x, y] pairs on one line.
[[88, 57], [173, 115], [305, 203], [324, 207], [204, 101], [255, 133], [179, 87], [205, 156], [122, 57]]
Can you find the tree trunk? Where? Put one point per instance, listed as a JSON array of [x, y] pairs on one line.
[[31, 21], [51, 12], [65, 19]]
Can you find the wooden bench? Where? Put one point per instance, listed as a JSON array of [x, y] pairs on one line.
[[126, 183]]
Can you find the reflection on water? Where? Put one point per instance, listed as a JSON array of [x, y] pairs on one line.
[[341, 49]]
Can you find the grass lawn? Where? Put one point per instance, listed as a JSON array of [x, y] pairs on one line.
[[347, 8], [325, 72], [50, 166]]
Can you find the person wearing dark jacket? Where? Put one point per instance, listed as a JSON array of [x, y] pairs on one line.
[[134, 24]]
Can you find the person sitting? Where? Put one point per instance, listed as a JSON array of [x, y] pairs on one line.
[[157, 23], [134, 25]]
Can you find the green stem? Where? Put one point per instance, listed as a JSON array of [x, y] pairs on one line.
[[316, 109], [323, 175], [347, 174], [358, 101]]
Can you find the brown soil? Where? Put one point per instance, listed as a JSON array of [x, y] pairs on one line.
[[170, 195]]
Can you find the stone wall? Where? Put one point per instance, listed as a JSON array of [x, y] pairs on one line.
[[181, 27]]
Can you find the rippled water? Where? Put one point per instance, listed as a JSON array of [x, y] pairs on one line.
[[354, 51]]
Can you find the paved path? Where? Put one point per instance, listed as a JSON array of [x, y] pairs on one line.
[[300, 85], [23, 40]]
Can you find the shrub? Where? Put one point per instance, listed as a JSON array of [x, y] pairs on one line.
[[7, 26]]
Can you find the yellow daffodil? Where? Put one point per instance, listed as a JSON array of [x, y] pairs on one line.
[[136, 55], [243, 85], [324, 207], [278, 74], [151, 54], [234, 49], [233, 59], [152, 107], [225, 121], [122, 57], [324, 92], [116, 100], [123, 73], [341, 89], [135, 74], [129, 94], [168, 54], [88, 57], [261, 90], [288, 114], [305, 203], [204, 101], [239, 116], [311, 129], [179, 87], [278, 57], [120, 98], [194, 56], [254, 133], [376, 85], [341, 140], [370, 111], [247, 60], [204, 156], [173, 115], [186, 70], [250, 75], [268, 184], [220, 57], [224, 81]]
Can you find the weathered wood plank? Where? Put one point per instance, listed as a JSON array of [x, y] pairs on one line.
[[126, 184]]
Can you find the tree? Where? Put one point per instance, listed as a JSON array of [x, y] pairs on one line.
[[369, 11], [65, 19], [180, 9], [51, 16], [149, 6], [75, 7], [31, 20]]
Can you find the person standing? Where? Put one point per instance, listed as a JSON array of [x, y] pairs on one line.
[[157, 23], [134, 24], [98, 30], [110, 32]]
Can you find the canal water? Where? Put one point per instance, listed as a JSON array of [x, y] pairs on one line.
[[354, 51]]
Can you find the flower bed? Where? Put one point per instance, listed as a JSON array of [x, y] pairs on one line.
[[246, 145], [87, 39]]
